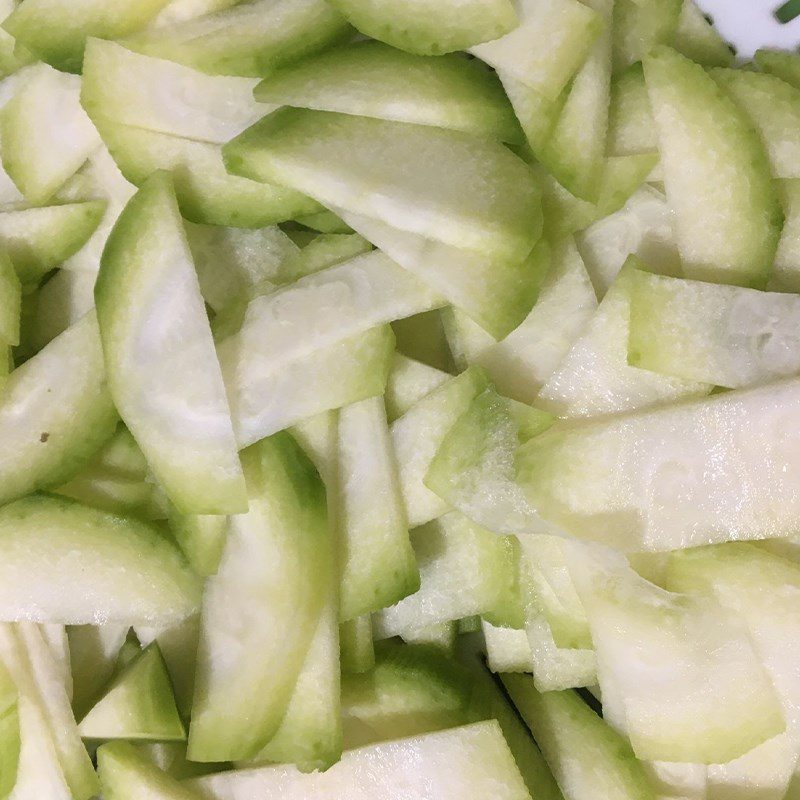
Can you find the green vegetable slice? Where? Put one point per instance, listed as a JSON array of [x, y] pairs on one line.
[[128, 572], [157, 343], [727, 214], [373, 80], [248, 39], [376, 559], [276, 552]]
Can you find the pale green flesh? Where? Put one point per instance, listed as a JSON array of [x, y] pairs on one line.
[[726, 210], [30, 662], [311, 733], [358, 164], [470, 760], [774, 108], [417, 435], [725, 335], [277, 552], [595, 378], [45, 134], [602, 765], [206, 192], [164, 97], [703, 695], [744, 495], [375, 556], [61, 395], [188, 440], [373, 80], [473, 470], [545, 50], [38, 239], [464, 570], [411, 689], [49, 542], [415, 26], [249, 39]]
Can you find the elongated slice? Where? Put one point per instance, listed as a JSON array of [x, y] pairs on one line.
[[576, 148], [249, 39], [473, 760], [45, 134], [725, 335], [98, 179], [595, 377], [157, 343], [264, 262], [447, 185], [417, 435], [56, 30], [55, 637], [38, 239], [333, 310], [376, 559], [783, 64], [61, 395], [206, 192], [655, 498], [322, 252], [413, 689], [356, 648], [47, 685], [545, 50], [10, 305], [416, 27], [489, 701], [328, 306], [373, 80], [128, 572], [126, 773], [275, 552], [763, 589], [161, 96], [631, 128], [497, 293], [264, 401], [588, 757], [473, 469], [727, 213], [310, 734], [38, 768], [785, 273], [702, 695], [464, 570], [773, 106], [9, 732], [138, 704]]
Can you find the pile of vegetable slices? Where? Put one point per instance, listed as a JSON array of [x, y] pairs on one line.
[[399, 401]]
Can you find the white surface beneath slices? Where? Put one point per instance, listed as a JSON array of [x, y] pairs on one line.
[[751, 24]]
